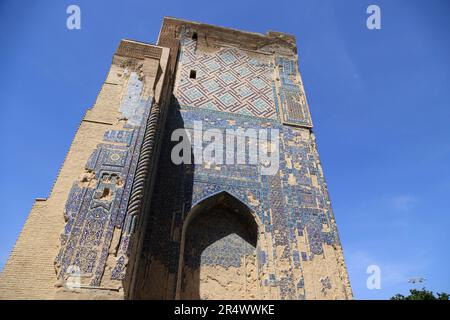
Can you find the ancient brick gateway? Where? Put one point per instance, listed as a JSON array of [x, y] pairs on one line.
[[124, 222]]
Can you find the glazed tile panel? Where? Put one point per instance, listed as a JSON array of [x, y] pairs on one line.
[[97, 203], [227, 80], [292, 204], [292, 96]]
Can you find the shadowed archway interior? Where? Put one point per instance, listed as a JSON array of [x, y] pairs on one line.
[[220, 244]]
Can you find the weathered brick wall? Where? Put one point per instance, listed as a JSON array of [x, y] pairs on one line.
[[58, 231], [243, 81], [92, 220]]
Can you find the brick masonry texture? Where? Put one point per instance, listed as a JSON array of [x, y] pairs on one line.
[[228, 80], [137, 226], [297, 242], [94, 210]]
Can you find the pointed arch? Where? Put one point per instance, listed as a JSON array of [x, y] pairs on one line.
[[229, 198], [230, 221], [229, 191]]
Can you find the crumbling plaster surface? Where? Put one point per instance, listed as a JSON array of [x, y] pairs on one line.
[[297, 254]]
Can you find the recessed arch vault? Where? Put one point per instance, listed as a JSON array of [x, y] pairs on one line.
[[219, 243]]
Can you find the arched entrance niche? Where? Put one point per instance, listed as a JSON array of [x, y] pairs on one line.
[[218, 251]]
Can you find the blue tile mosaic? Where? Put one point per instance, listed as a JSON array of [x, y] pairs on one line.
[[94, 209], [285, 210], [231, 91], [292, 96]]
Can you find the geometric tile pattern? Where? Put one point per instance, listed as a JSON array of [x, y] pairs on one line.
[[293, 101], [231, 90], [97, 203], [223, 246], [287, 210], [293, 220], [228, 80], [119, 136]]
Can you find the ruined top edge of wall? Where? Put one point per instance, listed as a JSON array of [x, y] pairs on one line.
[[138, 50], [211, 35]]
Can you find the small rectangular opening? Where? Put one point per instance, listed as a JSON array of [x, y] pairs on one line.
[[193, 74], [194, 36]]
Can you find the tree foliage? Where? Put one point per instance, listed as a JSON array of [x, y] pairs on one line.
[[422, 294]]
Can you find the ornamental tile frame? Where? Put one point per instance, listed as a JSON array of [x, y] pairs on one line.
[[137, 226], [94, 210]]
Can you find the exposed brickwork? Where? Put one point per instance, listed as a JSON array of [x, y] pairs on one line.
[[299, 255], [138, 226], [55, 227], [228, 80]]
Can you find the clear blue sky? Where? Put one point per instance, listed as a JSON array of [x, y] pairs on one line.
[[380, 102]]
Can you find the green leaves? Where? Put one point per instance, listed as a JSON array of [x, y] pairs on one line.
[[422, 295]]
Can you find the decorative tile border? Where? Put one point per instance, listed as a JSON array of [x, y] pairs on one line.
[[293, 101], [290, 205], [98, 201], [227, 80]]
